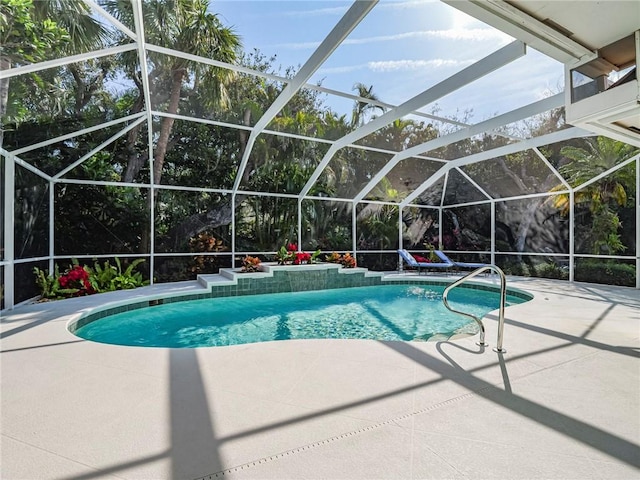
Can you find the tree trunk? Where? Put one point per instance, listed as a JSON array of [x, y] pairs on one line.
[[527, 219], [166, 125], [135, 160], [199, 222]]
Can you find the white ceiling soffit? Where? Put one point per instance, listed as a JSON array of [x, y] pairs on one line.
[[564, 30]]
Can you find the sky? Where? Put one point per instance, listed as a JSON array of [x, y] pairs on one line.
[[401, 48]]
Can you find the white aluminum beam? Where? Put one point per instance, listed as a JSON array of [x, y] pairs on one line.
[[215, 63], [474, 183], [518, 114], [444, 188], [88, 155], [138, 20], [487, 65], [59, 62], [343, 28], [32, 169], [8, 205], [548, 139], [552, 168], [77, 133], [112, 20]]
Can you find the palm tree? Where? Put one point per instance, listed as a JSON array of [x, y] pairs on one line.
[[360, 109], [31, 30], [599, 155], [185, 26]]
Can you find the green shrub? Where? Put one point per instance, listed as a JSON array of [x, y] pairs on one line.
[[607, 272], [552, 270], [109, 277]]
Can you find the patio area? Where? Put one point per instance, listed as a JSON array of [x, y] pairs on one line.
[[562, 402]]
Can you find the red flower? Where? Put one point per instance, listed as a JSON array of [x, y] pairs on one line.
[[77, 278], [301, 257], [292, 247]]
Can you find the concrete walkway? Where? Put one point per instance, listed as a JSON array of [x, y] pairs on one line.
[[563, 402]]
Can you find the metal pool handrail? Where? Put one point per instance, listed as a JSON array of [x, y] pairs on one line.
[[503, 296]]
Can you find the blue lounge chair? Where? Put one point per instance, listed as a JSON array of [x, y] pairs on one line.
[[412, 262], [442, 256]]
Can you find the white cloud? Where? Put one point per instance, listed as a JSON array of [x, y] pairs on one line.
[[315, 13], [460, 34], [295, 46], [474, 35], [408, 65], [341, 10], [397, 66], [408, 4]]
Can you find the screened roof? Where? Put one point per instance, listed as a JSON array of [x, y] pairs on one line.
[[395, 151]]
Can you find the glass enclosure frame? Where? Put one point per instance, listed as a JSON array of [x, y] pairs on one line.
[[361, 202]]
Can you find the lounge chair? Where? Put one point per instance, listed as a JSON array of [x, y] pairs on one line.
[[442, 256], [412, 262]]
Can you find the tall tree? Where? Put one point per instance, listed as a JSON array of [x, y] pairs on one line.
[[597, 156], [25, 37], [186, 26], [361, 109]]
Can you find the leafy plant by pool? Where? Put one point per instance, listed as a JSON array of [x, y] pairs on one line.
[[79, 280], [290, 255]]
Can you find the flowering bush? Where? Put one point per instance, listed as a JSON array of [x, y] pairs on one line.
[[289, 253], [302, 257], [250, 264], [77, 278], [346, 260]]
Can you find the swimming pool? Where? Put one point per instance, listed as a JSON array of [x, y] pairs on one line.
[[387, 312]]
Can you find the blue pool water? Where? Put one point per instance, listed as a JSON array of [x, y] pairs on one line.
[[389, 312]]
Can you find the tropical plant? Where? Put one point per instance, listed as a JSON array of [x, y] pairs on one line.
[[109, 277], [286, 253], [334, 257], [79, 280], [603, 198], [361, 109], [346, 260], [251, 264], [205, 242], [49, 285], [25, 38]]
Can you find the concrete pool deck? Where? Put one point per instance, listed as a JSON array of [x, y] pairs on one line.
[[562, 402]]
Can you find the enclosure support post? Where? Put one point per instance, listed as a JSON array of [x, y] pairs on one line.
[[144, 76], [400, 245], [300, 225], [440, 244], [493, 232], [572, 236], [52, 239], [233, 230], [637, 220], [9, 213], [354, 230]]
